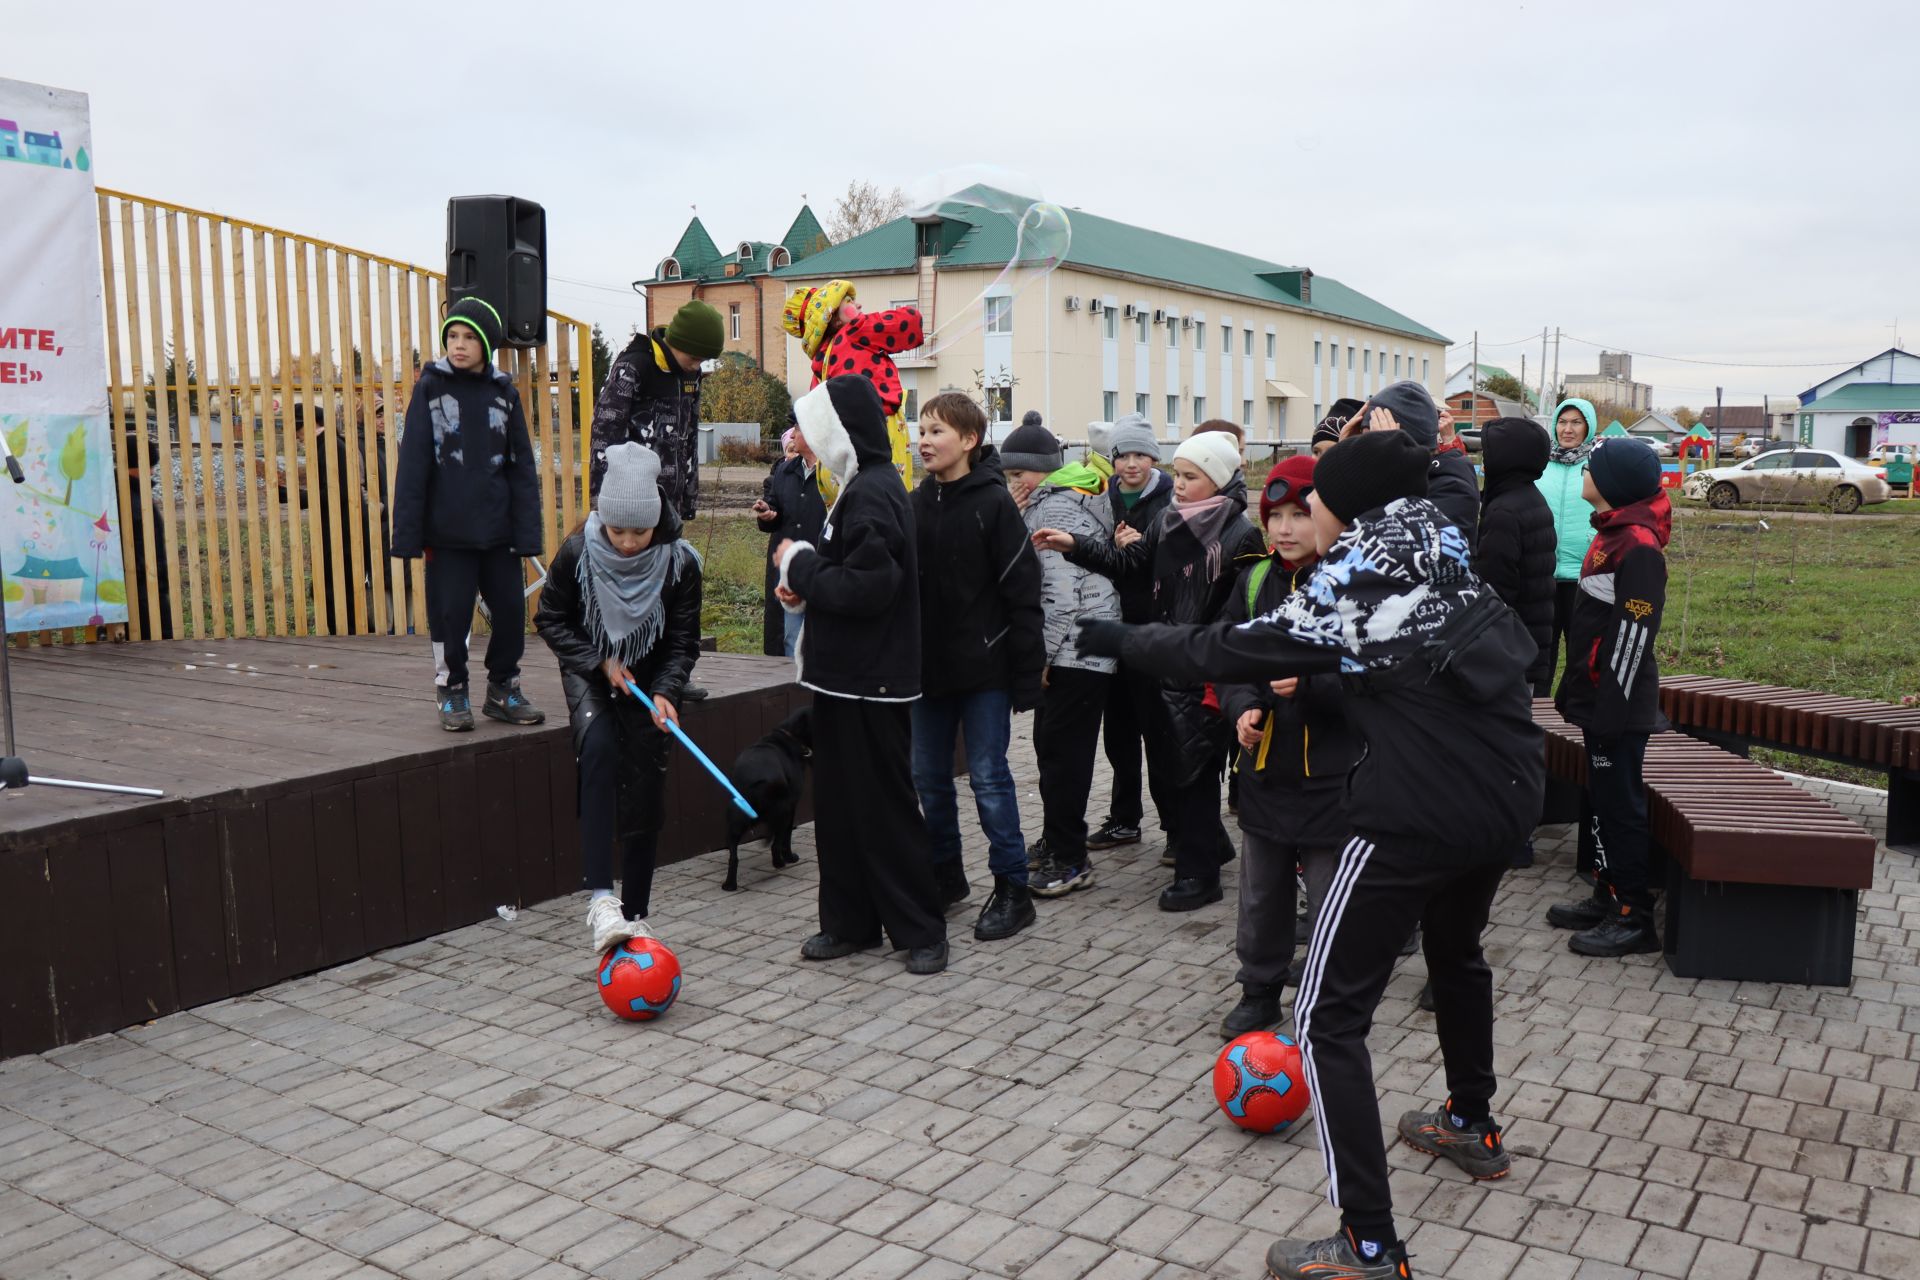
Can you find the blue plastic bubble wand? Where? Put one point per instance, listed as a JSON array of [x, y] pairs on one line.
[[698, 754]]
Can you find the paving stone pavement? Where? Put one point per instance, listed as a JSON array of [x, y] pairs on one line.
[[465, 1107]]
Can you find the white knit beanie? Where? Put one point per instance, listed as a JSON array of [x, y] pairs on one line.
[[1214, 452]]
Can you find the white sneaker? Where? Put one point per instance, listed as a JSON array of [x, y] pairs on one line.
[[610, 926], [641, 929]]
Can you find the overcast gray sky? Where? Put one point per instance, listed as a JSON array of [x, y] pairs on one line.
[[1734, 183]]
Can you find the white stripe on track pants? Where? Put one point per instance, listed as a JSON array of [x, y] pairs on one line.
[[1382, 887]]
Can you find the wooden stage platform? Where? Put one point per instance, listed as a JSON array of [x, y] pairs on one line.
[[315, 813]]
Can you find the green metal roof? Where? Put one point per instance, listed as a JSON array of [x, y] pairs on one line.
[[696, 251], [1882, 397], [1614, 429], [806, 236], [1101, 244]]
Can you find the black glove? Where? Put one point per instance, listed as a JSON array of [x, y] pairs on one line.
[[1100, 637]]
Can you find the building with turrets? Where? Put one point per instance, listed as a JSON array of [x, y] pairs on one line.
[[738, 283]]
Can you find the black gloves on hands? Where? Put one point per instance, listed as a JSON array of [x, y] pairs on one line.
[[1100, 637]]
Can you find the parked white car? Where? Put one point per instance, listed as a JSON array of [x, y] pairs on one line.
[[1811, 476]]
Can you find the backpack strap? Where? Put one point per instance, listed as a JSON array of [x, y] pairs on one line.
[[1254, 579]]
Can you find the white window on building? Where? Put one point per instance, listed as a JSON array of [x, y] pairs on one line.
[[1333, 360], [1173, 411], [1140, 403], [1199, 408], [1366, 365], [733, 321], [1247, 348], [1226, 338], [1139, 326], [1383, 363], [1270, 344], [1200, 336], [1173, 331], [1316, 353], [999, 315], [1316, 413], [910, 407], [1423, 368], [1396, 364], [1111, 319], [1246, 413], [1109, 403], [1349, 366]]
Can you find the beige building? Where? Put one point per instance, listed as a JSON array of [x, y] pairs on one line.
[[1130, 321]]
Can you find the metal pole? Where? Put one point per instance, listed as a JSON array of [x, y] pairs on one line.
[[38, 781], [1473, 383], [1543, 372], [1556, 360], [6, 677]]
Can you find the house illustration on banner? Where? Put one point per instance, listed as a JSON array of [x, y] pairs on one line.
[[38, 148], [50, 581], [10, 141]]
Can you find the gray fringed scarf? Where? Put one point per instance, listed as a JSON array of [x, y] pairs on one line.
[[624, 596]]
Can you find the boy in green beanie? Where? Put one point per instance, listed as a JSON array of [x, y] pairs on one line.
[[652, 397]]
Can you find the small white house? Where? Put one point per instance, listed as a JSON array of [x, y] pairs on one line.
[[1856, 411]]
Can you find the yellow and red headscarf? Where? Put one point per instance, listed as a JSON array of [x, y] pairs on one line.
[[809, 311]]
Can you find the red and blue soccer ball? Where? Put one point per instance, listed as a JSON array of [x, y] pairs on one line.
[[639, 979], [1260, 1082]]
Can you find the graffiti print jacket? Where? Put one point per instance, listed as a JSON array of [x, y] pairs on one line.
[[466, 478], [648, 400], [1612, 685], [1432, 668]]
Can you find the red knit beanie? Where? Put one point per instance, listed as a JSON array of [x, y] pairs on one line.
[[1297, 471]]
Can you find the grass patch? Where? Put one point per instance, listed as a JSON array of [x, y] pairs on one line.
[[734, 592]]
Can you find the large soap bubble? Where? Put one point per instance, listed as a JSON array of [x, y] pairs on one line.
[[994, 219]]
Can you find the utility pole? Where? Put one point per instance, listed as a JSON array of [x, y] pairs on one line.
[[1556, 360], [1473, 382], [1543, 373]]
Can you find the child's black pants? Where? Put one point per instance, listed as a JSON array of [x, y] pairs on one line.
[[1382, 887], [1066, 737], [623, 766], [1618, 794], [455, 578], [876, 865]]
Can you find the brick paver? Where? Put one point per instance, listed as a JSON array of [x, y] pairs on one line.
[[465, 1107]]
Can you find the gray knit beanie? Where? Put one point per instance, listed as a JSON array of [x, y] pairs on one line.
[[1031, 447], [630, 492], [1132, 434]]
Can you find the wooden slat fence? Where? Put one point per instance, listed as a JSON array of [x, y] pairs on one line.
[[257, 383]]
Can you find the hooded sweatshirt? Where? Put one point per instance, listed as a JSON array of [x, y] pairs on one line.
[[1515, 554], [980, 613], [1560, 485], [1072, 500], [860, 585], [1612, 684], [466, 477], [1392, 582]]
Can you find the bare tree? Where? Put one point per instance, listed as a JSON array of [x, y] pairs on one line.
[[862, 208]]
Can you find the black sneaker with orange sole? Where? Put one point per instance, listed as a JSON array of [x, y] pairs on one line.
[[1476, 1149]]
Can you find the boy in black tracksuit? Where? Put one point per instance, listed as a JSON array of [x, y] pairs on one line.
[[467, 496], [1137, 493], [1433, 666], [1611, 690], [859, 653], [1296, 750]]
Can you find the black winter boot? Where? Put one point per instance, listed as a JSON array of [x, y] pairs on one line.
[[1008, 911], [1583, 913], [1628, 931], [1259, 1007]]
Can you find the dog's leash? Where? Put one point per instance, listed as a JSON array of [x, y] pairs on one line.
[[698, 754]]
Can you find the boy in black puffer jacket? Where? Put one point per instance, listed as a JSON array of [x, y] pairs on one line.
[[860, 654], [467, 496], [1137, 492], [1515, 554], [1434, 668], [981, 654], [1296, 750], [1192, 555]]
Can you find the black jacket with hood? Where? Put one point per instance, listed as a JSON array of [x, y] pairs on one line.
[[1136, 593], [980, 618], [466, 478], [792, 490], [861, 583], [1186, 587], [1388, 586], [1612, 684], [648, 399], [1293, 791], [561, 621], [1452, 487], [1515, 553]]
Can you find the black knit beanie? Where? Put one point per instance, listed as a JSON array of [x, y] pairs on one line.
[[1031, 447], [479, 316], [1412, 408], [1625, 471], [1366, 472]]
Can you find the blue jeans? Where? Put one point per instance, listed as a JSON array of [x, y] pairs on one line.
[[986, 718], [792, 633]]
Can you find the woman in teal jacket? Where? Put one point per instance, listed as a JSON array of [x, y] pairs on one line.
[[1574, 428]]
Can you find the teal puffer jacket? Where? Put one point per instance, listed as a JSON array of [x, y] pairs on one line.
[[1572, 514]]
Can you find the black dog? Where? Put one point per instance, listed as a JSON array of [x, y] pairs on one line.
[[770, 774]]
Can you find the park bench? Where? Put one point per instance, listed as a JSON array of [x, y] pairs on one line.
[[1761, 876], [1737, 715]]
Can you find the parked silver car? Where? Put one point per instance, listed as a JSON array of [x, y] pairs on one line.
[[1811, 476]]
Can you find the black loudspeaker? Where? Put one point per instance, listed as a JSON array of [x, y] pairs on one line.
[[497, 249]]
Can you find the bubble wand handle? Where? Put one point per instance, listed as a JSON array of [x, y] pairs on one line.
[[698, 754]]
